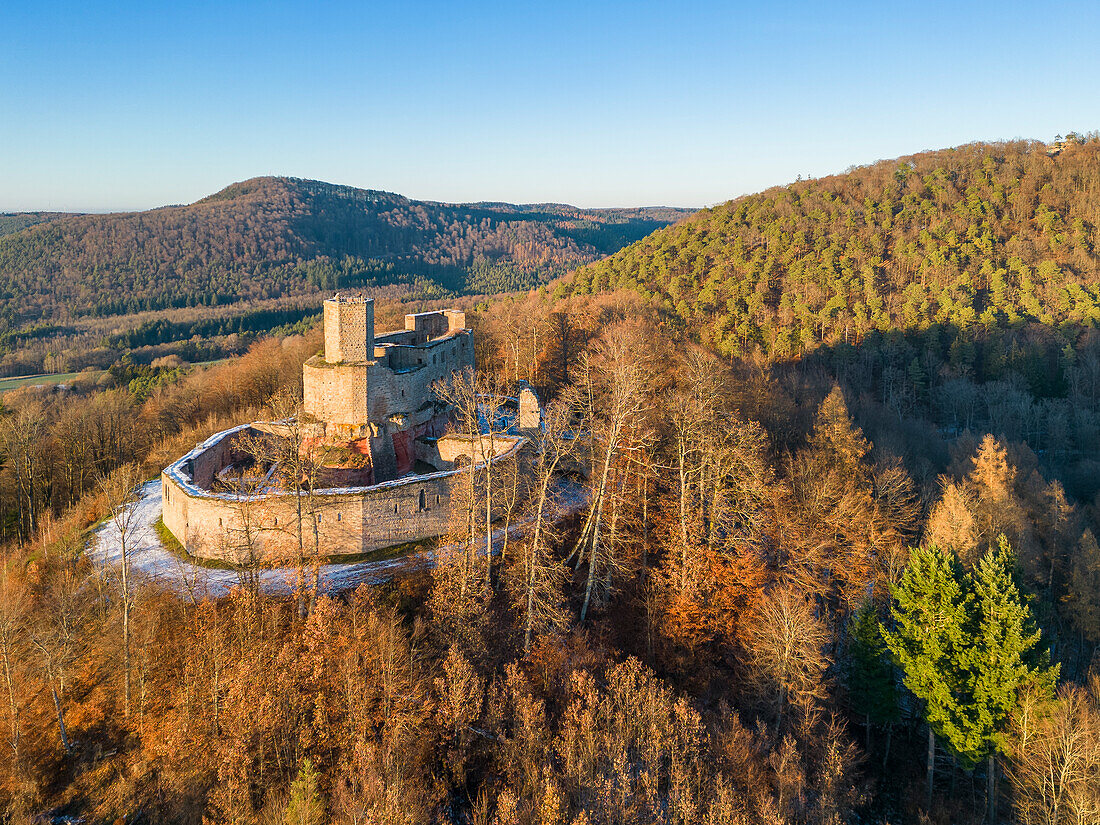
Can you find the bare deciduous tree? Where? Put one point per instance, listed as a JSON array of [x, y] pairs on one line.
[[122, 492], [786, 647]]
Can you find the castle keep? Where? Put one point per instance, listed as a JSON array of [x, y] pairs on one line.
[[375, 392], [382, 463]]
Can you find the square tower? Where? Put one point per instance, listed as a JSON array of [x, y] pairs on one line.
[[349, 329]]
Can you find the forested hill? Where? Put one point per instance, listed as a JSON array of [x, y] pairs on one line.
[[17, 221], [268, 237], [984, 235]]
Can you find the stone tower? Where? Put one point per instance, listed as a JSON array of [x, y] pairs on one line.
[[349, 330]]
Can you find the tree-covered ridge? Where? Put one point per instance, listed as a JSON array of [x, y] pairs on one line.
[[269, 237], [982, 235], [11, 222]]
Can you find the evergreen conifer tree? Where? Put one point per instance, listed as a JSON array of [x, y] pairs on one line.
[[1005, 657], [305, 806], [871, 687], [931, 611]]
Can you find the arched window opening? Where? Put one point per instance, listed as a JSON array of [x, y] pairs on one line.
[[421, 504]]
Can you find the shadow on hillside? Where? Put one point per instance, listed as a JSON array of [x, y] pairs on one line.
[[919, 393]]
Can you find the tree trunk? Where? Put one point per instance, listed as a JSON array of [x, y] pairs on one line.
[[597, 511], [13, 707], [991, 788], [931, 767], [301, 579], [592, 563], [488, 509], [125, 620], [60, 719], [316, 563]]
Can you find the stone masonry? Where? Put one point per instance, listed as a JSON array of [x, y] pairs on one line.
[[369, 393]]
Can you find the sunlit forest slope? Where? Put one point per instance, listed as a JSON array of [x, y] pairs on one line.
[[270, 237], [988, 235]]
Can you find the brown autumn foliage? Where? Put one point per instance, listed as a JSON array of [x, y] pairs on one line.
[[673, 652]]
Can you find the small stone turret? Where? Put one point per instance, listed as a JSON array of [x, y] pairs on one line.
[[530, 411], [349, 329]]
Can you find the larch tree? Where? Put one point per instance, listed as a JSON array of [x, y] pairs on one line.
[[952, 524], [1084, 588]]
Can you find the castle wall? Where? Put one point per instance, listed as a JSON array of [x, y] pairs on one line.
[[456, 446], [351, 395], [406, 385], [351, 520], [361, 386]]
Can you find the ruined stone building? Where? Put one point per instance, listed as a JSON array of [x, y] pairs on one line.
[[375, 392], [377, 431]]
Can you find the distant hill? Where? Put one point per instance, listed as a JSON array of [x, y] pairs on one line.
[[988, 235], [269, 237], [17, 221]]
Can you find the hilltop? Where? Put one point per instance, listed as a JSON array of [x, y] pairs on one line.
[[987, 235], [11, 222], [271, 236]]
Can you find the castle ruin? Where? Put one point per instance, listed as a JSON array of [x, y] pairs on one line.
[[369, 409]]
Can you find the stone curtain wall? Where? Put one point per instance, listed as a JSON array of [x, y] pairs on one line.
[[351, 521]]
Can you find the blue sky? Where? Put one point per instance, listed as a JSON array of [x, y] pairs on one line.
[[131, 105]]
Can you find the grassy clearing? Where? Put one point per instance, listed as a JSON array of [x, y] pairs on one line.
[[44, 379], [173, 546], [15, 382]]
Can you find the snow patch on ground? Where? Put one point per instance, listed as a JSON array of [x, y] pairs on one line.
[[151, 560]]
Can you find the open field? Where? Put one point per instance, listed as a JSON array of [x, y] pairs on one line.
[[17, 381], [43, 379]]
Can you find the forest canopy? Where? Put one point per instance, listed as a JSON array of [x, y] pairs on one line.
[[983, 236], [270, 237]]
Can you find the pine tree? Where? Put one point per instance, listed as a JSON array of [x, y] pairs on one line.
[[931, 611], [1005, 657], [871, 687], [305, 806]]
